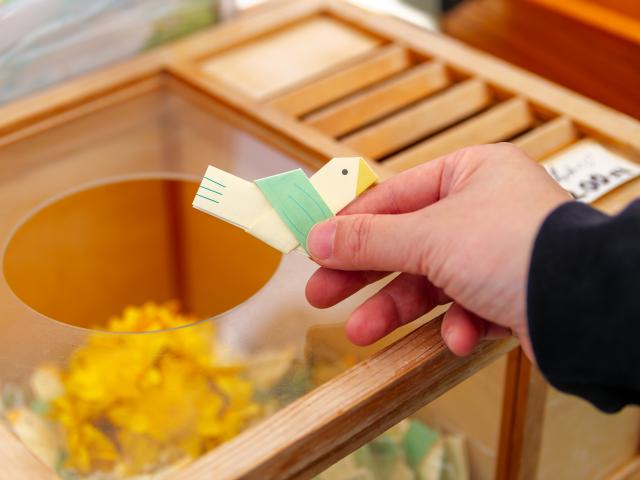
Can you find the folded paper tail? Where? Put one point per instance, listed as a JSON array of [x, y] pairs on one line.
[[271, 230], [230, 198]]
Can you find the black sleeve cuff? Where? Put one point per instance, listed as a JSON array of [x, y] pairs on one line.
[[583, 303]]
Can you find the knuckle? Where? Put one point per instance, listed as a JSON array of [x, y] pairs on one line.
[[436, 262], [430, 266], [474, 155], [507, 147], [510, 150], [465, 153], [391, 195], [357, 237], [492, 154]]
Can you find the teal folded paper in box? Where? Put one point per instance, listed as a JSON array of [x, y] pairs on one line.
[[296, 201]]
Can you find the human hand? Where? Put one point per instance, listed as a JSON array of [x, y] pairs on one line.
[[460, 228]]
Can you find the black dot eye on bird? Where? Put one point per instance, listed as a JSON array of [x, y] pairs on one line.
[[345, 171]]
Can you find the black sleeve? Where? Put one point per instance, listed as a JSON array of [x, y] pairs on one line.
[[583, 303]]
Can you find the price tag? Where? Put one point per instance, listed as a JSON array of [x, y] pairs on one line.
[[588, 170]]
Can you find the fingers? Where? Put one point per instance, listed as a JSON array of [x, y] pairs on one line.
[[389, 243], [463, 330], [405, 192], [327, 287], [404, 299], [355, 238]]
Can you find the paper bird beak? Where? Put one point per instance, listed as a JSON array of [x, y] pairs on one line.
[[366, 177]]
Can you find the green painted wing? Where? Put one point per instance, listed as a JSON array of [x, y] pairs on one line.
[[296, 201]]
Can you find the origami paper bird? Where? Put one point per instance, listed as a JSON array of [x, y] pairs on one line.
[[281, 210]]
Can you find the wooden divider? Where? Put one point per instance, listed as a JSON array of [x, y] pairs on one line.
[[548, 138], [499, 123], [422, 119], [386, 62], [401, 90], [520, 439]]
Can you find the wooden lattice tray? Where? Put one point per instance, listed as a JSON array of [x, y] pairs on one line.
[[296, 83]]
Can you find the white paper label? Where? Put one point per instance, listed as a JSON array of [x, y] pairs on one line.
[[588, 170]]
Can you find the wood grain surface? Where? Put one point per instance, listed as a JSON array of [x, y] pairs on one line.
[[402, 90], [382, 64], [495, 125], [421, 119]]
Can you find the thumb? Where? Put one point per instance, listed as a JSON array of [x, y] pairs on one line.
[[389, 243]]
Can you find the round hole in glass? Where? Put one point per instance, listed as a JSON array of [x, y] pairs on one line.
[[84, 257]]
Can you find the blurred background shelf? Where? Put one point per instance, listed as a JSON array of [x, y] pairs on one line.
[[589, 46]]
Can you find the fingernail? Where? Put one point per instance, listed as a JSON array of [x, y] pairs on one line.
[[320, 241]]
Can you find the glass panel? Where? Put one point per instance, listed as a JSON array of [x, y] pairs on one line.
[[579, 441], [468, 414], [407, 451], [100, 241]]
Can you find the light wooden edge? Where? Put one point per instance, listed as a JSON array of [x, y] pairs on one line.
[[17, 462], [260, 131], [384, 63], [271, 121], [421, 119], [325, 73], [126, 92], [496, 124], [41, 105], [336, 418], [364, 107], [508, 415], [548, 138], [522, 422]]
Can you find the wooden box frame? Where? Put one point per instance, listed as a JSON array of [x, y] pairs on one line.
[[380, 391]]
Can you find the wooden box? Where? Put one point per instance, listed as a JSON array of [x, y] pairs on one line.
[[304, 81]]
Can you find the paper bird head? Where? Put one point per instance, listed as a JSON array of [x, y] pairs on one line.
[[342, 179]]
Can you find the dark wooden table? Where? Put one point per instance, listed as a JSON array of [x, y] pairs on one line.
[[589, 46]]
